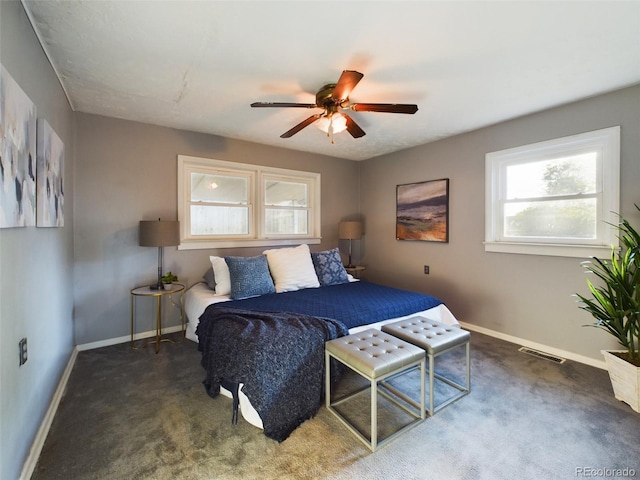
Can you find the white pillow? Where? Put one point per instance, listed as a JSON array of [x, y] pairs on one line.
[[221, 275], [292, 268]]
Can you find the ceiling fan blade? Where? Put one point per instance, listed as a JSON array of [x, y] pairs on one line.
[[384, 107], [283, 104], [300, 126], [353, 128], [347, 82]]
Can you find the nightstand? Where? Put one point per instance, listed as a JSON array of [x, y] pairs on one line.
[[355, 271], [158, 294]]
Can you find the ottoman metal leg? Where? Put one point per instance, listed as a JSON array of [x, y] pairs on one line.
[[375, 356], [463, 389], [435, 338]]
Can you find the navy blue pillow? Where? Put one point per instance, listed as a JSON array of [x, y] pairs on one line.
[[250, 276], [329, 268]]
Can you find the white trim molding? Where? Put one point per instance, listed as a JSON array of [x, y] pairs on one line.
[[38, 442], [596, 154], [254, 204], [127, 338], [536, 346]]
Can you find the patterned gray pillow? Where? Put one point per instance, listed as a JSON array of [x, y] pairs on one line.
[[329, 268], [249, 276]]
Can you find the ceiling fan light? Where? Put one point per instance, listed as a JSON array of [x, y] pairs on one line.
[[323, 124], [335, 123], [339, 123]]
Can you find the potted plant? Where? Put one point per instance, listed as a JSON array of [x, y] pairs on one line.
[[167, 279], [615, 305]]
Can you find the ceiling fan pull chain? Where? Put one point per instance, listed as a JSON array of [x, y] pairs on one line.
[[330, 130]]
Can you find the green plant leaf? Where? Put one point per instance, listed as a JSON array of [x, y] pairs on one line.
[[615, 302]]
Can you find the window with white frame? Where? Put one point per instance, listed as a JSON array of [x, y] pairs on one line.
[[226, 204], [556, 197]]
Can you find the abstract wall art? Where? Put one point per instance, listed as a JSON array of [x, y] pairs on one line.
[[17, 155], [49, 178]]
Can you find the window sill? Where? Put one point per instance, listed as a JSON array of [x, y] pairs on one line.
[[552, 250], [263, 242]]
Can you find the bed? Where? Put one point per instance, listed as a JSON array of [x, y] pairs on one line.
[[335, 296]]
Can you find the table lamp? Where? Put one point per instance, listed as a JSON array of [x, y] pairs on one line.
[[159, 234], [350, 230]]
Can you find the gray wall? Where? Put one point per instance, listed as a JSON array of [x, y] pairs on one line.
[[523, 296], [36, 264], [127, 172], [119, 172]]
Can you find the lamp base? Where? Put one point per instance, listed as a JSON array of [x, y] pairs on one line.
[[157, 286], [350, 264]]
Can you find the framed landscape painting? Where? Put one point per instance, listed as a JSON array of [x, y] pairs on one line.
[[422, 211]]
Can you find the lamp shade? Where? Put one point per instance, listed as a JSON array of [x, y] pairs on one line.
[[159, 233], [350, 230]]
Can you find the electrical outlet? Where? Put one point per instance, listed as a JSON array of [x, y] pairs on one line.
[[23, 351], [426, 269]]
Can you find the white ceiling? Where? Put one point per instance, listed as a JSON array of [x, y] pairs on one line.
[[199, 65]]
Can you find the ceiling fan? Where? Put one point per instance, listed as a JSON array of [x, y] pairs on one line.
[[333, 98]]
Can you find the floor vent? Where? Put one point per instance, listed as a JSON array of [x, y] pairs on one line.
[[545, 356]]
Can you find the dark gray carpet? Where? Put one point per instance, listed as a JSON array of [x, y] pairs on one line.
[[134, 414]]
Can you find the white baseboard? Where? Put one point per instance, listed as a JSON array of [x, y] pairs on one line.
[[38, 442], [536, 346], [125, 339]]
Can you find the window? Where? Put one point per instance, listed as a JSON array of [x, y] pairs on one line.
[[225, 204], [286, 202], [220, 204], [555, 197]]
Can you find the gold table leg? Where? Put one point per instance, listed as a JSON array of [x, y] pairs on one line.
[[158, 336], [133, 306], [158, 323]]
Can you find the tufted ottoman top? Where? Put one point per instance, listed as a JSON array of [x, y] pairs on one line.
[[431, 335], [374, 353]]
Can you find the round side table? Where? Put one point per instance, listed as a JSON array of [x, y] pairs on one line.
[[158, 294]]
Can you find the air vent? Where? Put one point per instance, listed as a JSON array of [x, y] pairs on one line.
[[543, 355]]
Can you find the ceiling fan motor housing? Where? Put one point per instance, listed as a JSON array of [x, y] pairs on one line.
[[325, 100]]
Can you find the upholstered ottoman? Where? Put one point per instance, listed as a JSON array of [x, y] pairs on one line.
[[435, 338], [376, 355]]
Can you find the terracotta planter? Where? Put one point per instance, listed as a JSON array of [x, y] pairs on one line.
[[625, 380]]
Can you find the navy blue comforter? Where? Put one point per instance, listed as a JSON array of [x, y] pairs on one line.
[[354, 303], [274, 343]]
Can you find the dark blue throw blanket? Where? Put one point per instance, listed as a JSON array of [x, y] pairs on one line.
[[278, 356], [354, 303]]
